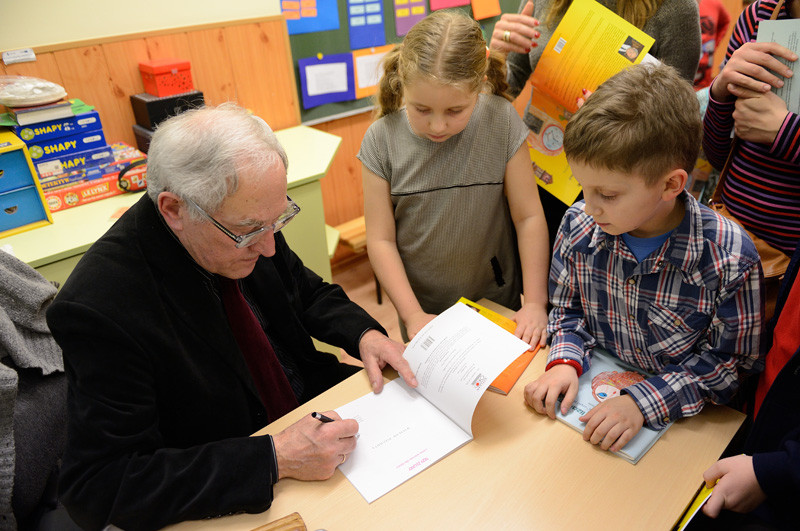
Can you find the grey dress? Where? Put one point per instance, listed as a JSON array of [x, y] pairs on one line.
[[453, 226]]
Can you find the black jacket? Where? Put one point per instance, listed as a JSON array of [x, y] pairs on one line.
[[161, 402]]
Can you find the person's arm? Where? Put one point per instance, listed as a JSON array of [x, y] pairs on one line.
[[710, 371], [676, 28], [570, 337], [116, 468], [383, 253], [532, 242]]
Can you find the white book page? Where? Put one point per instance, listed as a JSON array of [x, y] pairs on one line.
[[400, 434], [457, 356], [785, 33]]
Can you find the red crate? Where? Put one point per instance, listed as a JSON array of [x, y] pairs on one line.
[[166, 77]]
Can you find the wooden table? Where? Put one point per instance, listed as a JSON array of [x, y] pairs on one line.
[[522, 471]]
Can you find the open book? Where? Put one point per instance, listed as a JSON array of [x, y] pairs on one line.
[[503, 383], [403, 431], [604, 380], [590, 44], [786, 33]]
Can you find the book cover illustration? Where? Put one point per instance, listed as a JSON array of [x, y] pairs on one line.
[[605, 379]]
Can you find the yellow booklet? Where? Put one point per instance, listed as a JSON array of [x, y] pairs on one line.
[[590, 44], [506, 380]]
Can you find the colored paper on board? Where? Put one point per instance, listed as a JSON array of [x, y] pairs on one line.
[[366, 23], [308, 16], [368, 71], [407, 13], [444, 4], [327, 79], [482, 9]]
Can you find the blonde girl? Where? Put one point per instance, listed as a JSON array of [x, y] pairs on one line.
[[451, 205]]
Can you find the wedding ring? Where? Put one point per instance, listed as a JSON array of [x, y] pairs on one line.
[[507, 36], [344, 458]]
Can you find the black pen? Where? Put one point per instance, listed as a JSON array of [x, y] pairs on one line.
[[320, 417]]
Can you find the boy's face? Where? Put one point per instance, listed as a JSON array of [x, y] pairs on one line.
[[621, 202]]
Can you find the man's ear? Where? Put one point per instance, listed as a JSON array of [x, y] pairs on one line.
[[173, 210], [674, 183]]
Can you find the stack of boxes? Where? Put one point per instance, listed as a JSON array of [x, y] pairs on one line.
[[74, 163], [168, 91]]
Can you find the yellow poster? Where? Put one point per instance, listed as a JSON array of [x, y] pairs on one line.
[[590, 45]]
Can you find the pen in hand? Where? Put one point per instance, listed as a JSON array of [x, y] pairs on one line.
[[320, 417]]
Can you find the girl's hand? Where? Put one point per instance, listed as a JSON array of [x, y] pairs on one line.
[[759, 119], [752, 69], [531, 324], [522, 32], [417, 322]]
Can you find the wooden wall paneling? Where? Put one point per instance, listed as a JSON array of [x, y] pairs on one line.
[[342, 192], [261, 64], [211, 68], [86, 76], [174, 45], [122, 60], [44, 67]]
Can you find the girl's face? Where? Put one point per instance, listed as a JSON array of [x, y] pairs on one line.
[[437, 111]]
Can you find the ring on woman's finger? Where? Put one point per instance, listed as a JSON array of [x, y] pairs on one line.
[[507, 36]]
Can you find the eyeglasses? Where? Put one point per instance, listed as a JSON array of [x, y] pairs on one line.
[[246, 240]]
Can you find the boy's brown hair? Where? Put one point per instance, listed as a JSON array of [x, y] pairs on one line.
[[644, 120]]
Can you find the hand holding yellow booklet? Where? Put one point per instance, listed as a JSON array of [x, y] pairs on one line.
[[590, 44]]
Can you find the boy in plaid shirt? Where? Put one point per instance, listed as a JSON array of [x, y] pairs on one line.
[[642, 270]]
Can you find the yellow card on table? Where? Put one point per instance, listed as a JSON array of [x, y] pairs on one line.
[[506, 380]]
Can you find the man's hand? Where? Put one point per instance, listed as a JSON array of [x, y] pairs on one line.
[[737, 488], [376, 351], [522, 32], [613, 423], [532, 324], [760, 118], [311, 450], [752, 70], [542, 394]]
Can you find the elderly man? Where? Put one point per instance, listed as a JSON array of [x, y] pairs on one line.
[[188, 326]]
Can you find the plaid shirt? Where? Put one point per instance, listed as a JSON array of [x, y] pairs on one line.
[[690, 313]]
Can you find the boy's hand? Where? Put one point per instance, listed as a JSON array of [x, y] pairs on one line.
[[531, 324], [542, 394], [613, 423], [754, 69], [737, 488]]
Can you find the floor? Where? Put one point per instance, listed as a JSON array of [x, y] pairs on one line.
[[357, 280]]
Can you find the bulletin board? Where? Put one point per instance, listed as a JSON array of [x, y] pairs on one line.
[[317, 46]]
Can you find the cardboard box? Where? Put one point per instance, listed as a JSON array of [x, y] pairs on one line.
[[35, 133], [61, 146], [149, 110], [124, 155], [143, 137], [165, 77], [75, 161], [95, 190]]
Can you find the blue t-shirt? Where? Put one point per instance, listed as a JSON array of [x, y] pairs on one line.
[[642, 247]]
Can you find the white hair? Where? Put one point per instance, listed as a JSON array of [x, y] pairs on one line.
[[197, 154]]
